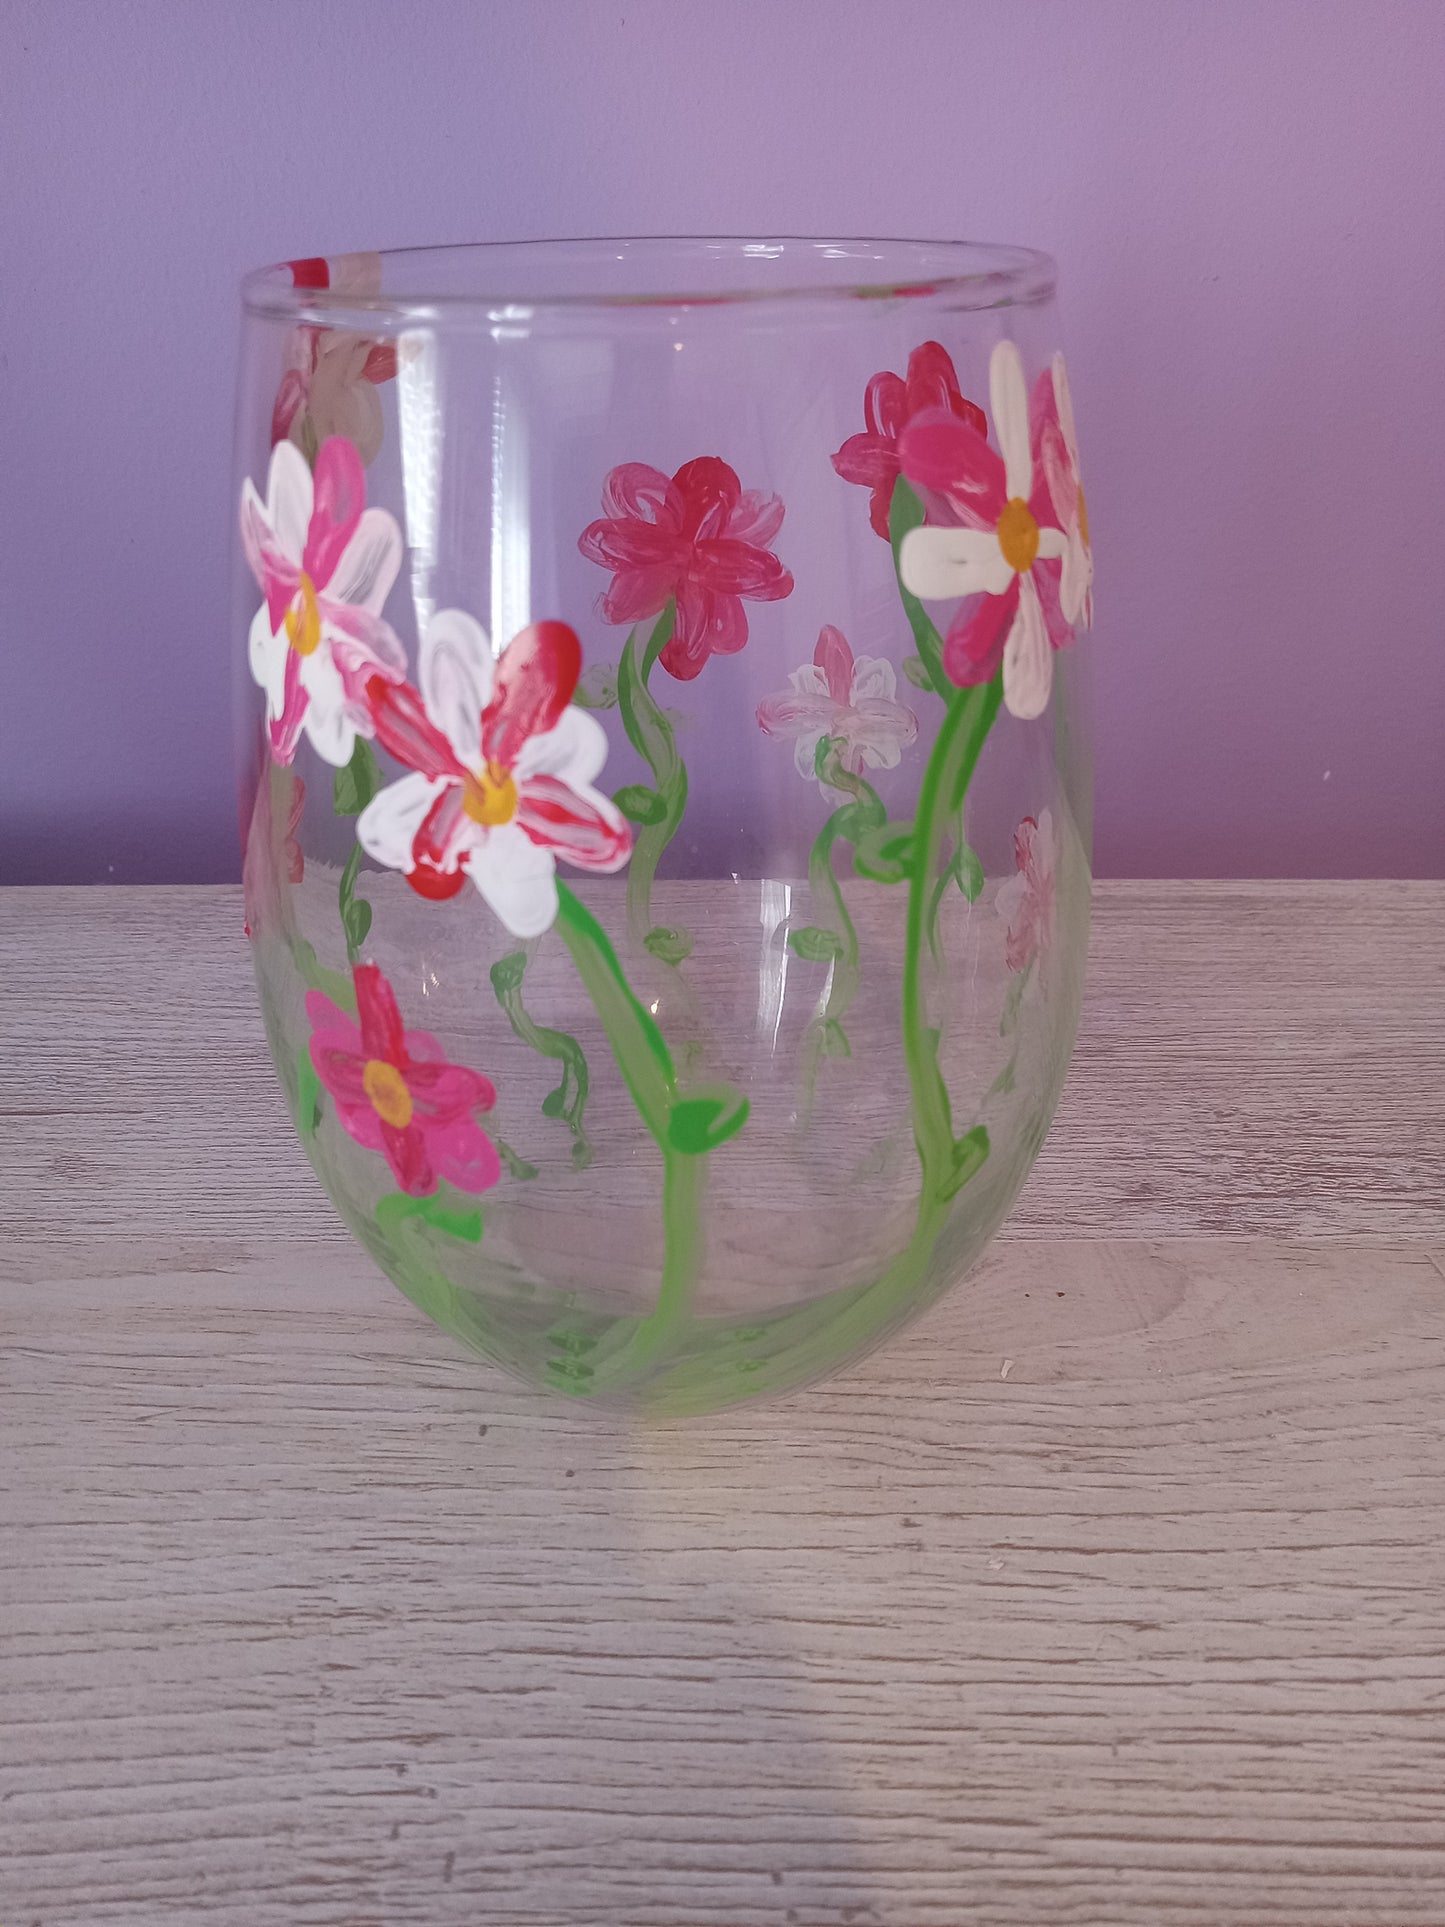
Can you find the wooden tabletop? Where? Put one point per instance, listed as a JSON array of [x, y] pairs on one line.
[[1132, 1614]]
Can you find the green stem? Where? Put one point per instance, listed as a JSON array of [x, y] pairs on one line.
[[642, 1056], [569, 1100], [651, 735], [966, 723], [862, 812]]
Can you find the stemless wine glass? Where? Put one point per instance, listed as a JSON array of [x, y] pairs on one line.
[[665, 780]]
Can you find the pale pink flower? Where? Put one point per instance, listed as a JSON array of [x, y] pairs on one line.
[[848, 699], [1026, 900], [1056, 450]]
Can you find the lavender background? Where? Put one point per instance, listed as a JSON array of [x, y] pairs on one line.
[[1247, 201]]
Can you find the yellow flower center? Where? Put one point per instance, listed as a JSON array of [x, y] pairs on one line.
[[1018, 535], [490, 798], [303, 619], [1084, 520], [386, 1088]]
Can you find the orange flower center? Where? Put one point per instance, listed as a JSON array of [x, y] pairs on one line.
[[1083, 519], [491, 798], [1018, 535], [386, 1088], [303, 619]]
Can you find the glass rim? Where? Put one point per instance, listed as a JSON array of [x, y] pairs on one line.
[[969, 275]]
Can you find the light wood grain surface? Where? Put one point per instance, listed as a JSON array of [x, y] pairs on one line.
[[1111, 1595]]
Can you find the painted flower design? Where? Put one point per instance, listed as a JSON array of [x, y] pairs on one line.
[[396, 1093], [1026, 900], [325, 564], [331, 376], [1056, 451], [698, 536], [889, 403], [1004, 547], [850, 699], [503, 765]]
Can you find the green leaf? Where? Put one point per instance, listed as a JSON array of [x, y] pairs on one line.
[[707, 1117], [352, 788], [916, 670], [884, 853], [308, 1093], [639, 804], [669, 945], [835, 1039], [969, 871], [969, 1154], [815, 945], [597, 688], [393, 1209], [357, 919], [517, 1167]]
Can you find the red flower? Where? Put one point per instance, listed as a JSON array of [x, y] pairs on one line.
[[396, 1093], [701, 538], [890, 403]]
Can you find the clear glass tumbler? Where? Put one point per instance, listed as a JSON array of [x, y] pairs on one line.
[[665, 780]]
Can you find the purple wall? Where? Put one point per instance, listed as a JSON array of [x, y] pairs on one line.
[[1247, 202]]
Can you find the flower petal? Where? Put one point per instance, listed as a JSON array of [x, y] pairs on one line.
[[873, 677], [635, 492], [330, 723], [446, 833], [365, 570], [456, 673], [1009, 399], [277, 573], [939, 452], [833, 656], [574, 750], [407, 732], [338, 501], [710, 492], [1028, 660], [1046, 579], [289, 497], [737, 568], [973, 647], [406, 1153], [939, 564], [284, 729], [579, 823], [441, 1091], [378, 1018], [266, 652], [1064, 403], [1077, 580], [464, 1155], [387, 827], [637, 594], [933, 383], [532, 686], [517, 877], [756, 519], [705, 622], [868, 460], [787, 712]]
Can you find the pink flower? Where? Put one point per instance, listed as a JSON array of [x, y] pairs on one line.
[[1026, 900], [701, 538], [325, 564], [331, 376], [1055, 447], [503, 768], [850, 700], [1004, 548], [889, 404], [396, 1093]]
